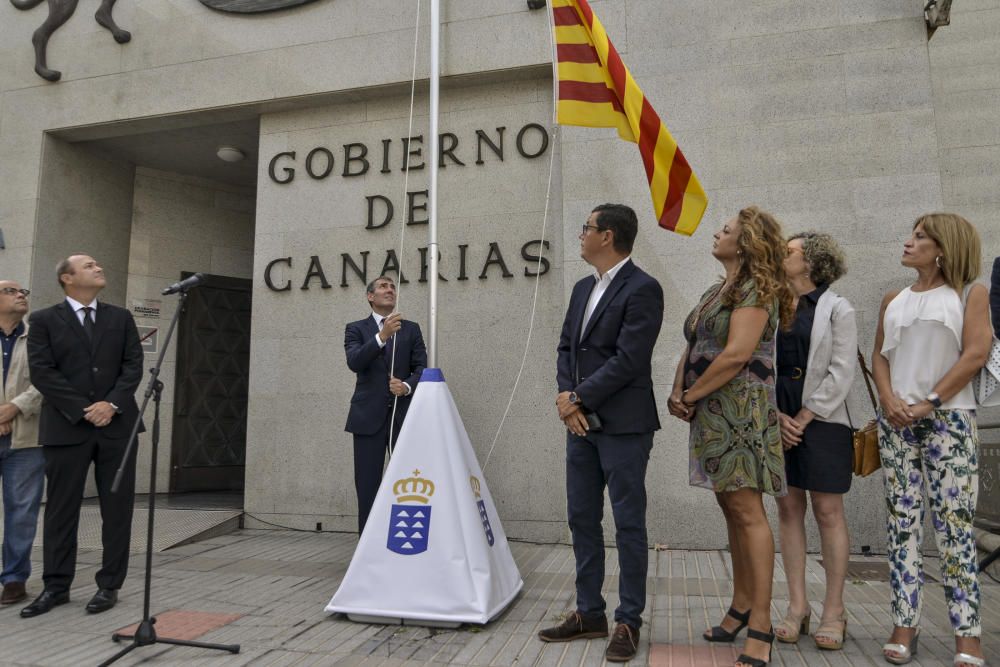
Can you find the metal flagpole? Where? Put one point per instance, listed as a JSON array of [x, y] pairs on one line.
[[432, 244]]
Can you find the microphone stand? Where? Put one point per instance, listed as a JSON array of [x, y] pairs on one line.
[[145, 634]]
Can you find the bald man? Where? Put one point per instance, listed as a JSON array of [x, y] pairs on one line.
[[86, 360]]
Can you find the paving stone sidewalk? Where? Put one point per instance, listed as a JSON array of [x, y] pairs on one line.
[[266, 591]]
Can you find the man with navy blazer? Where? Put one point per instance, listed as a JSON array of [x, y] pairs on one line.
[[85, 359], [995, 297], [379, 343], [606, 402]]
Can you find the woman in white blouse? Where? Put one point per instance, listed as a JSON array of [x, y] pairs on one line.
[[933, 336]]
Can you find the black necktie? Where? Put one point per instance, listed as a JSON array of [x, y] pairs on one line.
[[88, 323]]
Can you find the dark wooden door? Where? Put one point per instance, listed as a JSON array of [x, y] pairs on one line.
[[208, 450]]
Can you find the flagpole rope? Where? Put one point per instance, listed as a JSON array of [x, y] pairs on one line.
[[534, 304], [541, 250], [402, 231]]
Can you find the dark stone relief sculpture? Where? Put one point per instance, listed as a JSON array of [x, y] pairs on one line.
[[252, 6], [59, 12]]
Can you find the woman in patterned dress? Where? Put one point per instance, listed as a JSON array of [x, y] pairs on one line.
[[932, 337], [725, 388]]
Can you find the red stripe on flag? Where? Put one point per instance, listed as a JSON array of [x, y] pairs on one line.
[[649, 132], [576, 53], [588, 14], [582, 91], [617, 69], [680, 176], [565, 16]]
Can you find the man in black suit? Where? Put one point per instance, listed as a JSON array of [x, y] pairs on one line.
[[606, 403], [995, 297], [374, 345], [86, 360]]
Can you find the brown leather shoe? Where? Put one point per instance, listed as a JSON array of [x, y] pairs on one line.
[[624, 643], [13, 592], [575, 626]]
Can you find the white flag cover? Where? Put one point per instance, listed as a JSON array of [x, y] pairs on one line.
[[433, 548]]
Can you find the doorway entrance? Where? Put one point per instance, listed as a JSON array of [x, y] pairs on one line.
[[208, 451]]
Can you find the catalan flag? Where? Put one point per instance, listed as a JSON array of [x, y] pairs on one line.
[[597, 90]]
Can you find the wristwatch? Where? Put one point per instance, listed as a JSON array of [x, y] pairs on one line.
[[934, 399], [574, 399]]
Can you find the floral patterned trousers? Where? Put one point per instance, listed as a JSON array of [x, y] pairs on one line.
[[933, 458]]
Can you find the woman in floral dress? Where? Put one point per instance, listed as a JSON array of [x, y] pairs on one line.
[[932, 338], [724, 387]]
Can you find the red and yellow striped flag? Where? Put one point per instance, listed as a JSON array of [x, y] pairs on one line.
[[597, 90]]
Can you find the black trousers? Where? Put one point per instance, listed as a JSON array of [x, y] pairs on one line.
[[369, 461], [66, 469]]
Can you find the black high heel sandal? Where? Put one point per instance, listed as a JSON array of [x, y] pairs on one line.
[[767, 638], [720, 634]]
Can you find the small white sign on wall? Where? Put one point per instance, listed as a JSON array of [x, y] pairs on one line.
[[149, 308]]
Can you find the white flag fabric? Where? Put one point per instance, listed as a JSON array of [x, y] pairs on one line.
[[433, 548]]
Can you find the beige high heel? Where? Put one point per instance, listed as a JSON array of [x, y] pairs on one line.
[[833, 632], [794, 626]]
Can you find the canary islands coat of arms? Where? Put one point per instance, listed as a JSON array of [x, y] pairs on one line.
[[410, 516]]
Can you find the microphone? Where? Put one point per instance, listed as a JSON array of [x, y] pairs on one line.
[[184, 285]]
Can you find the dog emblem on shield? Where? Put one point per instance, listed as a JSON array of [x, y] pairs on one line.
[[483, 516], [410, 518]]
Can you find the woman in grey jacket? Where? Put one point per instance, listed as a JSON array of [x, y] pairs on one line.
[[816, 366]]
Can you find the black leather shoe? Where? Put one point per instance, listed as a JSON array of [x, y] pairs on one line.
[[104, 599], [44, 603], [575, 626]]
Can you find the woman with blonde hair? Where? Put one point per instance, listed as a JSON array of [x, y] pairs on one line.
[[724, 386], [817, 359], [932, 337]]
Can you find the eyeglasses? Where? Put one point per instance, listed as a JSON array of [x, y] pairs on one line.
[[583, 231], [14, 290]]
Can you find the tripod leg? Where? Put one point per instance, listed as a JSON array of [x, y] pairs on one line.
[[232, 648], [119, 655], [986, 562]]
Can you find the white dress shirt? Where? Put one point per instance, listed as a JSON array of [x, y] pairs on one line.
[[600, 287], [381, 343], [378, 323], [78, 309]]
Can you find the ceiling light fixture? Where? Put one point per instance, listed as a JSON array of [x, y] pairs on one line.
[[230, 154]]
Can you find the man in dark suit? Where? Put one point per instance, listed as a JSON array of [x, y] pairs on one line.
[[995, 297], [606, 403], [86, 360], [374, 345]]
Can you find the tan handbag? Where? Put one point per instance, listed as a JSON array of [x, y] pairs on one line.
[[866, 456]]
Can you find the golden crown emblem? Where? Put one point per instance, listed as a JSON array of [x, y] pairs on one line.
[[474, 481], [414, 489]]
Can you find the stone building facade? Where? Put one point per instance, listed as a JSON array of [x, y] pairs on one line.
[[839, 116]]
